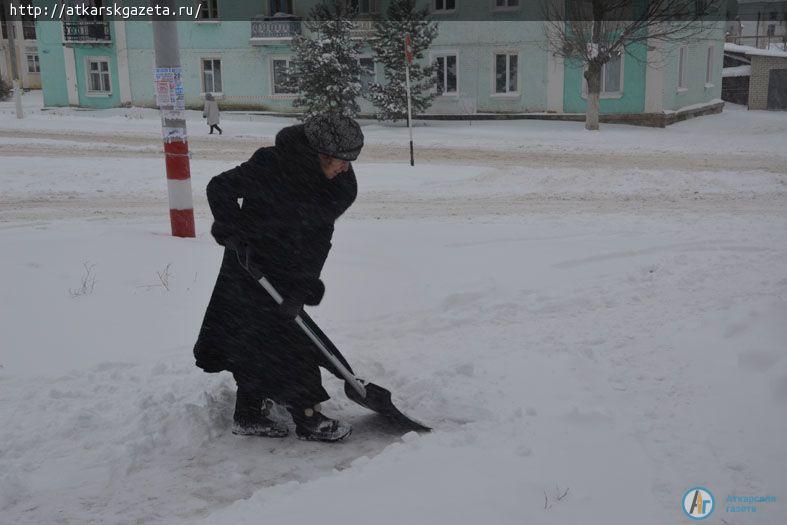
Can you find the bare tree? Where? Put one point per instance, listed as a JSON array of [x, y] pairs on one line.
[[594, 32]]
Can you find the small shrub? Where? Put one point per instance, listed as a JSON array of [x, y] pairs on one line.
[[5, 90]]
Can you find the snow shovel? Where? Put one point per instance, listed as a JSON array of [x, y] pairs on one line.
[[371, 396]]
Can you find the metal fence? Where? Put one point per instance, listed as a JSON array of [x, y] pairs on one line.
[[761, 42]]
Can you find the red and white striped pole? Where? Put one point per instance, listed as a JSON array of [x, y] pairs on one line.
[[170, 99]]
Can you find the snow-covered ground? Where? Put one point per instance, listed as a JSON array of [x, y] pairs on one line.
[[593, 323]]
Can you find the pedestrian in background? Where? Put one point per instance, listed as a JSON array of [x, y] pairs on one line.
[[211, 112]]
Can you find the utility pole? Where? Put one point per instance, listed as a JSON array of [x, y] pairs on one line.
[[10, 30], [170, 98], [408, 59]]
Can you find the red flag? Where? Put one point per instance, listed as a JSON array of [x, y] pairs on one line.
[[408, 49]]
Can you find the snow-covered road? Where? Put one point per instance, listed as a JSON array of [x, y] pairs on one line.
[[593, 322]]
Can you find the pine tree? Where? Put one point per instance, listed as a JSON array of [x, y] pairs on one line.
[[390, 98], [325, 71]]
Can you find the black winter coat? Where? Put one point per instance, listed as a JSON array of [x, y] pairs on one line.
[[286, 218]]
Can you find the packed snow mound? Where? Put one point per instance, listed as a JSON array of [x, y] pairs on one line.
[[737, 71], [591, 327], [751, 50]]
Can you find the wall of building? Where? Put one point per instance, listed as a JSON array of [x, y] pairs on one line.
[[630, 100], [760, 78], [53, 65], [697, 90], [23, 47], [93, 100], [475, 44]]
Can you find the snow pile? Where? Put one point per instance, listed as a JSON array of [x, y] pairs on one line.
[[588, 338], [737, 71], [544, 351], [751, 50]]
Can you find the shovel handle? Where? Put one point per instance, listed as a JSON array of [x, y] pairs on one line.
[[346, 374], [316, 340]]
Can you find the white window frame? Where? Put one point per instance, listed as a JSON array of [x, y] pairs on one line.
[[505, 8], [374, 8], [434, 55], [444, 10], [683, 58], [272, 84], [508, 93], [208, 19], [90, 92], [213, 58], [367, 56], [709, 65], [36, 63], [602, 93]]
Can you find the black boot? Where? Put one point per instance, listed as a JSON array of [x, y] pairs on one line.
[[252, 419], [312, 425]]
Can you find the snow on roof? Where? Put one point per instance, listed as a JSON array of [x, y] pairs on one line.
[[737, 71], [749, 50]]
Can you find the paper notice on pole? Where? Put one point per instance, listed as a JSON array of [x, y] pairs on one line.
[[163, 93], [173, 134], [169, 88]]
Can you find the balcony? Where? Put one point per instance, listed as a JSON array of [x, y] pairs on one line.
[[86, 31], [363, 30], [274, 29]]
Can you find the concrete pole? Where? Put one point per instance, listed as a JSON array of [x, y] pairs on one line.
[[408, 59], [170, 98], [10, 22]]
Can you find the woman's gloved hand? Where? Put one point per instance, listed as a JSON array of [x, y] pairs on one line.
[[228, 235], [290, 308]]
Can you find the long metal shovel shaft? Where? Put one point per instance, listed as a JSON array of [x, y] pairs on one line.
[[346, 374]]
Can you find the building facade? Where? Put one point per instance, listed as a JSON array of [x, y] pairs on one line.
[[28, 65], [492, 58], [756, 77]]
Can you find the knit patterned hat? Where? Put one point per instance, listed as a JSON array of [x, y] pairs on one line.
[[334, 135]]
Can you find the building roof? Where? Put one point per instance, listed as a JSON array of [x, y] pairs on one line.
[[749, 50]]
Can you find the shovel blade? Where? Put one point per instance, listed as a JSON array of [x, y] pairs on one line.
[[378, 399]]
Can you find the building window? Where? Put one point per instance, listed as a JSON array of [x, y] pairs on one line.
[[209, 10], [506, 72], [29, 29], [367, 73], [611, 74], [446, 74], [367, 7], [211, 75], [444, 5], [611, 77], [4, 26], [683, 55], [280, 6], [279, 69], [33, 66], [505, 5], [709, 66], [98, 78]]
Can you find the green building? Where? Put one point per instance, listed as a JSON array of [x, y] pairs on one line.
[[492, 58]]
